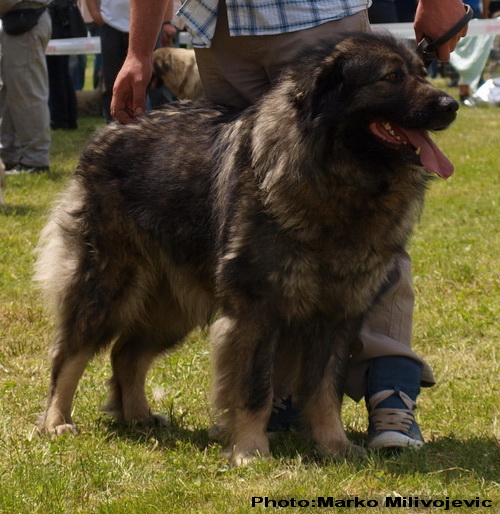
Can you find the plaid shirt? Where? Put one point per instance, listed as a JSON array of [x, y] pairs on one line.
[[263, 17]]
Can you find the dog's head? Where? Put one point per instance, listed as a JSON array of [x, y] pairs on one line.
[[371, 91], [176, 68]]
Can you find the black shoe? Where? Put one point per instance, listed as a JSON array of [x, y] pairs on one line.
[[284, 415], [22, 169], [56, 125], [9, 165]]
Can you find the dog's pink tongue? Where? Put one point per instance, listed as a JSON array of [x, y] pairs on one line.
[[430, 155]]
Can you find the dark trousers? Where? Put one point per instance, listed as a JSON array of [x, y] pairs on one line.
[[62, 98], [114, 46]]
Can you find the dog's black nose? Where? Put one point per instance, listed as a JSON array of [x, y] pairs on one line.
[[447, 103]]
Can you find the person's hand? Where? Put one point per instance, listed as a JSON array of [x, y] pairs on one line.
[[97, 18], [129, 91], [168, 33], [434, 18]]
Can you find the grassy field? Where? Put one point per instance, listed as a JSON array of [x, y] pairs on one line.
[[110, 468]]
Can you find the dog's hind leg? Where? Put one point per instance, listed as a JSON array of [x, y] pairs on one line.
[[164, 324], [88, 321], [67, 369], [243, 363], [131, 359]]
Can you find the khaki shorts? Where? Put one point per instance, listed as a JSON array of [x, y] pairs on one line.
[[238, 71]]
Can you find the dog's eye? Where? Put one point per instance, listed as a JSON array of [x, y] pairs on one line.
[[392, 77]]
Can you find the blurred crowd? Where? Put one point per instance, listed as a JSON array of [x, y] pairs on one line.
[[40, 93]]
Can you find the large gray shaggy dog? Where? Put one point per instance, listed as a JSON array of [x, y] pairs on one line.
[[284, 218]]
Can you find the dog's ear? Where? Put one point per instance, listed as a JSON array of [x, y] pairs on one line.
[[329, 93]]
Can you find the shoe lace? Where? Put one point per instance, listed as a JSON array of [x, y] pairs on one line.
[[279, 404], [396, 419]]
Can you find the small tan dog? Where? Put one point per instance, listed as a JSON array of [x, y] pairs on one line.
[[89, 102], [177, 69]]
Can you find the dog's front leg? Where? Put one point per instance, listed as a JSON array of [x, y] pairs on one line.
[[322, 389], [242, 393]]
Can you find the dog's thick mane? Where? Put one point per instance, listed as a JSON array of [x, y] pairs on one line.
[[315, 161]]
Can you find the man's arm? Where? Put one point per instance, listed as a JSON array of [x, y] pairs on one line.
[[168, 31], [129, 91], [94, 10], [434, 18]]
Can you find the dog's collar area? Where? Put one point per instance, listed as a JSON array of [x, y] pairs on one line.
[[417, 141]]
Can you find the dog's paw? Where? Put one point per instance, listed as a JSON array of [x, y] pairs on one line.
[[158, 420], [218, 433], [354, 452], [140, 418], [343, 451], [57, 430], [52, 423], [242, 458], [149, 421], [64, 429], [241, 454]]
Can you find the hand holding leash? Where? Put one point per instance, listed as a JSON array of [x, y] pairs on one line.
[[427, 48], [439, 26]]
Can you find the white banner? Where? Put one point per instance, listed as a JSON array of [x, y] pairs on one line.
[[477, 27], [92, 45]]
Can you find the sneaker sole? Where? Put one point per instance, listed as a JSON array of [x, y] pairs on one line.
[[394, 440], [26, 171]]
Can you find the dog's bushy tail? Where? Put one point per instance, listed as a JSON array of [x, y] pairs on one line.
[[56, 262]]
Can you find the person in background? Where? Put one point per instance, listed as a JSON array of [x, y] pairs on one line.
[[471, 55], [383, 11], [406, 10], [24, 92], [112, 16], [78, 63], [241, 50], [392, 11], [94, 30], [170, 26], [491, 8], [67, 22]]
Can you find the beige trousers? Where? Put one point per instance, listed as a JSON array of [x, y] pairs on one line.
[[237, 71], [24, 96]]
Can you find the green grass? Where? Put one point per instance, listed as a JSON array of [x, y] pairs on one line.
[[110, 468]]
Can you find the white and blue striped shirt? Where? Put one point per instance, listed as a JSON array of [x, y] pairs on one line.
[[263, 17]]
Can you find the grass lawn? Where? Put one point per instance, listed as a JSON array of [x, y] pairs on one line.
[[110, 468]]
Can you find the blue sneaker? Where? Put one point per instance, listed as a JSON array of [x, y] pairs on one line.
[[393, 387], [392, 427]]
